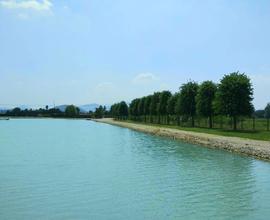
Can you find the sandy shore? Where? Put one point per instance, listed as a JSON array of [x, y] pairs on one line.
[[258, 149]]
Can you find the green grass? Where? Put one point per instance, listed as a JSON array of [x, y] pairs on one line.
[[250, 134]]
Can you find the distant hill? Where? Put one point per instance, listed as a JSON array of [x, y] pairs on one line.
[[88, 107], [22, 107], [62, 108], [91, 107], [3, 111], [83, 108]]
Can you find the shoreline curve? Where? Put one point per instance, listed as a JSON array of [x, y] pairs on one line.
[[254, 148]]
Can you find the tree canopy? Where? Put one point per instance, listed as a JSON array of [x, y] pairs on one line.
[[171, 104], [219, 104], [267, 111], [163, 101], [234, 96], [154, 103], [186, 103], [72, 111], [205, 99]]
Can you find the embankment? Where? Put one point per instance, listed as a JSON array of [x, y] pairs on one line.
[[258, 149]]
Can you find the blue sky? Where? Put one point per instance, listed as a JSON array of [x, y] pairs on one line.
[[87, 51]]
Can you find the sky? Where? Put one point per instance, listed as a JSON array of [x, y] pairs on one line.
[[104, 51]]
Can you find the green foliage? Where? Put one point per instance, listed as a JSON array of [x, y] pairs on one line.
[[123, 109], [134, 107], [234, 96], [46, 112], [147, 104], [100, 112], [259, 114], [72, 111], [119, 109], [205, 99], [141, 106], [114, 111], [163, 101], [267, 111], [186, 103], [154, 103], [171, 104], [208, 104], [16, 112]]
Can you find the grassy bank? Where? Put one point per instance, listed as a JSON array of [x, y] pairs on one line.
[[250, 134], [237, 142]]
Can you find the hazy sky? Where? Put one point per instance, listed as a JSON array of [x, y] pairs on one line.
[[103, 51]]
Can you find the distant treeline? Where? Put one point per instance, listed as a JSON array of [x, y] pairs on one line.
[[71, 111], [230, 98]]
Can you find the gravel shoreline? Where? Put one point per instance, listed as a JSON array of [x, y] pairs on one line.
[[254, 148]]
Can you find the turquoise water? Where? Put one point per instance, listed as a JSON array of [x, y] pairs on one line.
[[77, 169]]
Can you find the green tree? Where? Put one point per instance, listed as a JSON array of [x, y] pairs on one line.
[[16, 112], [186, 103], [267, 114], [141, 108], [133, 108], [154, 104], [123, 109], [267, 111], [72, 111], [114, 111], [259, 113], [99, 112], [141, 105], [204, 100], [162, 105], [147, 104], [171, 105], [234, 96]]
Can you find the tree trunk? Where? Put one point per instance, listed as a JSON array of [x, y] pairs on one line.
[[234, 123], [221, 122], [210, 121], [192, 121], [168, 119], [267, 124]]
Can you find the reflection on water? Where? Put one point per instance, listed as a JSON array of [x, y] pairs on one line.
[[72, 169]]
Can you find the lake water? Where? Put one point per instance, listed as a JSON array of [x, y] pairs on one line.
[[77, 169]]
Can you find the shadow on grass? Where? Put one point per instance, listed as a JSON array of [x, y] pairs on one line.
[[240, 131]]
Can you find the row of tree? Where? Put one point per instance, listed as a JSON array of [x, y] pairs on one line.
[[99, 112], [231, 97], [71, 111]]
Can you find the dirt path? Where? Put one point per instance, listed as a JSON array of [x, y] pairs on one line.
[[259, 149]]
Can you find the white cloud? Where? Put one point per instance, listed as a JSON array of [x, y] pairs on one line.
[[144, 78], [44, 5]]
